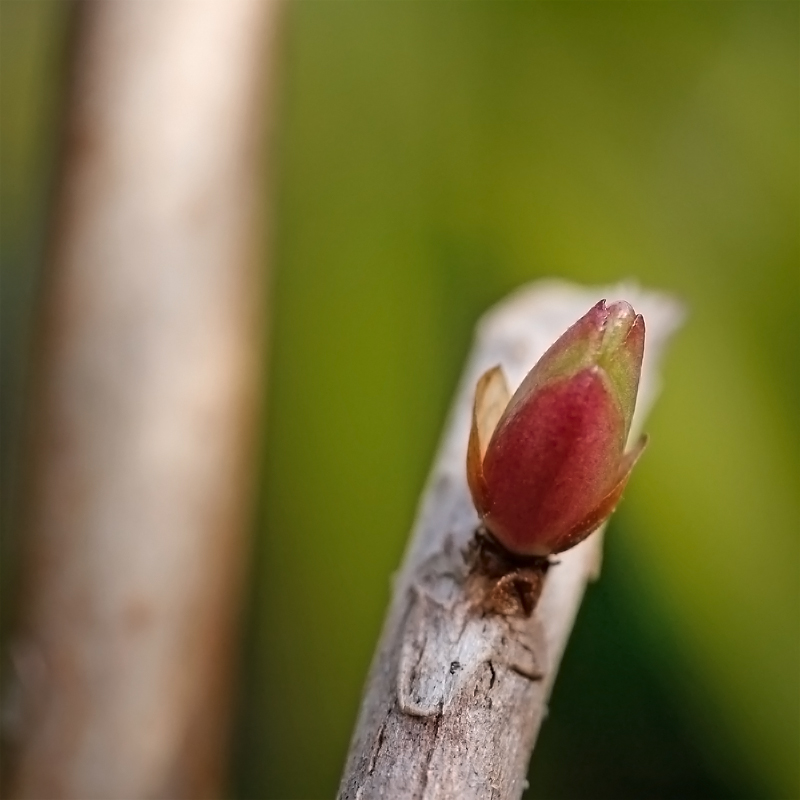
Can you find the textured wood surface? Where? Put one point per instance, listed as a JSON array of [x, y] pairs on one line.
[[455, 696]]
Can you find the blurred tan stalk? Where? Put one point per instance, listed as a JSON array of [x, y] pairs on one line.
[[144, 429]]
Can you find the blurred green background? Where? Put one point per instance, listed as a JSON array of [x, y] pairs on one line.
[[431, 157]]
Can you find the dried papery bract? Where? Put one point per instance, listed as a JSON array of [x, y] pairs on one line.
[[547, 466]]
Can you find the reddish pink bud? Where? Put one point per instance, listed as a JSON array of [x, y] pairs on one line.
[[547, 466]]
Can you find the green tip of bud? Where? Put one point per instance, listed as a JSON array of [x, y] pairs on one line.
[[620, 355], [610, 337]]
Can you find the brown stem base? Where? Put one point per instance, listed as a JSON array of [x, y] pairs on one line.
[[502, 582]]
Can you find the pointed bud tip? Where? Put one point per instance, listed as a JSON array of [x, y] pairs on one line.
[[635, 339], [609, 320], [620, 308], [614, 306]]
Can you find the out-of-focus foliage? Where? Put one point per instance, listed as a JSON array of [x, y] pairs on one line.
[[431, 157]]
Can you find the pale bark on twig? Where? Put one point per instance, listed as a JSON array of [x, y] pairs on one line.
[[148, 393], [455, 696]]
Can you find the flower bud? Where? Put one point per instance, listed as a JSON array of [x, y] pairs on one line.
[[547, 466]]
